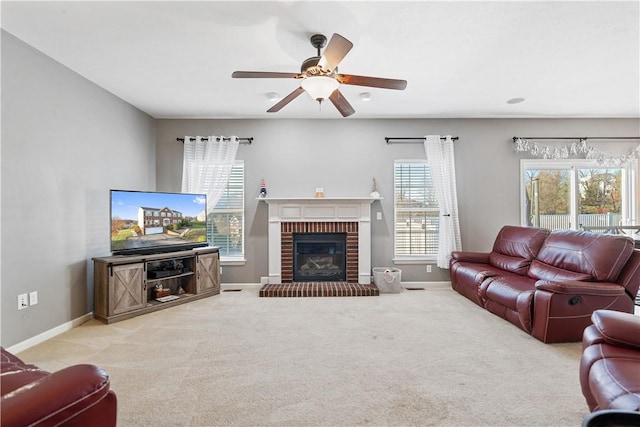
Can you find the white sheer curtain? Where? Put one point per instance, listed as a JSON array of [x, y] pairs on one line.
[[441, 163], [207, 165]]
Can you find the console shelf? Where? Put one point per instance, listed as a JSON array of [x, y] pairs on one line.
[[170, 277], [125, 286]]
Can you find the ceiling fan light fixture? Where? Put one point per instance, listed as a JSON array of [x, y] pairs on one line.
[[319, 88], [273, 96]]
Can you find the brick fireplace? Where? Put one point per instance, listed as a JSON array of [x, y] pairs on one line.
[[289, 229], [288, 216]]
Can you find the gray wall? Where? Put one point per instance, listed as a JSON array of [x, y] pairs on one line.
[[296, 156], [65, 143]]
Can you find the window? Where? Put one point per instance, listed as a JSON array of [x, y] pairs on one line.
[[416, 210], [226, 222], [562, 195]]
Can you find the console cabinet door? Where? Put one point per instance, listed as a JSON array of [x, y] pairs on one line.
[[208, 278], [127, 288]]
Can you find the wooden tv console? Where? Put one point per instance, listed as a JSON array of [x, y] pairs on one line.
[[126, 286]]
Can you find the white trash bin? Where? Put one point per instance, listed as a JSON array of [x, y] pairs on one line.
[[387, 279]]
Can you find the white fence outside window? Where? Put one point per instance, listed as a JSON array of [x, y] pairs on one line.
[[563, 222]]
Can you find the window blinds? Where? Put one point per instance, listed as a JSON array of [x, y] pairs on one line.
[[416, 210], [227, 219]]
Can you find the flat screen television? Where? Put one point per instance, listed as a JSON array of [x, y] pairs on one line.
[[145, 222]]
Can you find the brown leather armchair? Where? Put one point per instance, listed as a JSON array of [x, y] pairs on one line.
[[78, 395], [610, 362]]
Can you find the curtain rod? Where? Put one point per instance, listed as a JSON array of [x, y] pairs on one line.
[[515, 138], [240, 140], [389, 139]]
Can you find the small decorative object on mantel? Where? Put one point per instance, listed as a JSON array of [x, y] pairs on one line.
[[319, 193], [374, 190], [263, 189]]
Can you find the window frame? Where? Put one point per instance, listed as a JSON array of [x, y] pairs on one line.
[[409, 258], [629, 185]]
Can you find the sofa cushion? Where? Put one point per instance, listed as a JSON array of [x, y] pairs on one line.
[[506, 290], [515, 247], [581, 255], [466, 278]]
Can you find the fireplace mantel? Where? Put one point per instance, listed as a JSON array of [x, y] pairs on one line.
[[325, 209], [318, 199]]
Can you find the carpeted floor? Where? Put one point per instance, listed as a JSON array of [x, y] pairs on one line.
[[417, 358]]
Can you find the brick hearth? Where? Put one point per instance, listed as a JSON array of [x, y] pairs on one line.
[[287, 229], [318, 289]]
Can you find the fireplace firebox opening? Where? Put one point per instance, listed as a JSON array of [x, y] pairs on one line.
[[319, 257]]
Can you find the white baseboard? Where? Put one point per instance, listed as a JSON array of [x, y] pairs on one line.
[[426, 285], [40, 338], [224, 286]]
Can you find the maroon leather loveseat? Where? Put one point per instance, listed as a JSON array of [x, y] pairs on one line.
[[75, 396], [610, 363], [548, 283]]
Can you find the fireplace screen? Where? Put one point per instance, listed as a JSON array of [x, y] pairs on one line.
[[319, 257]]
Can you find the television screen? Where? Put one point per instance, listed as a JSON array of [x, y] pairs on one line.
[[154, 222]]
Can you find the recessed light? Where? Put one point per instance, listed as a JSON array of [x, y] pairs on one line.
[[272, 96], [515, 101], [365, 96]]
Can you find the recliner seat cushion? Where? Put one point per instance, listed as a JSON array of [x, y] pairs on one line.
[[506, 290], [581, 255]]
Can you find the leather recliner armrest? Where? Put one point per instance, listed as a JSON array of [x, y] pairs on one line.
[[479, 257], [55, 398], [618, 328], [581, 288]]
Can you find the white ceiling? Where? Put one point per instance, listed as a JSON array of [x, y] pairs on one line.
[[174, 59]]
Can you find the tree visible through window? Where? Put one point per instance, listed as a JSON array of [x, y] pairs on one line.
[[417, 214], [569, 195], [226, 222]]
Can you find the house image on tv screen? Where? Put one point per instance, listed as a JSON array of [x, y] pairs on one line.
[[155, 221]]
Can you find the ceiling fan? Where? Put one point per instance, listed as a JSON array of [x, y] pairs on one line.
[[320, 77]]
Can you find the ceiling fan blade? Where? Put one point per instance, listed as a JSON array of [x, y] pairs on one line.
[[287, 99], [264, 75], [341, 103], [349, 79], [336, 50]]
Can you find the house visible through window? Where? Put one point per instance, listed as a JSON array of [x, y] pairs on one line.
[[226, 222], [416, 210], [577, 194]]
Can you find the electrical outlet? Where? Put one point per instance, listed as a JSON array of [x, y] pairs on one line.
[[378, 216], [429, 268], [23, 301], [33, 298]]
